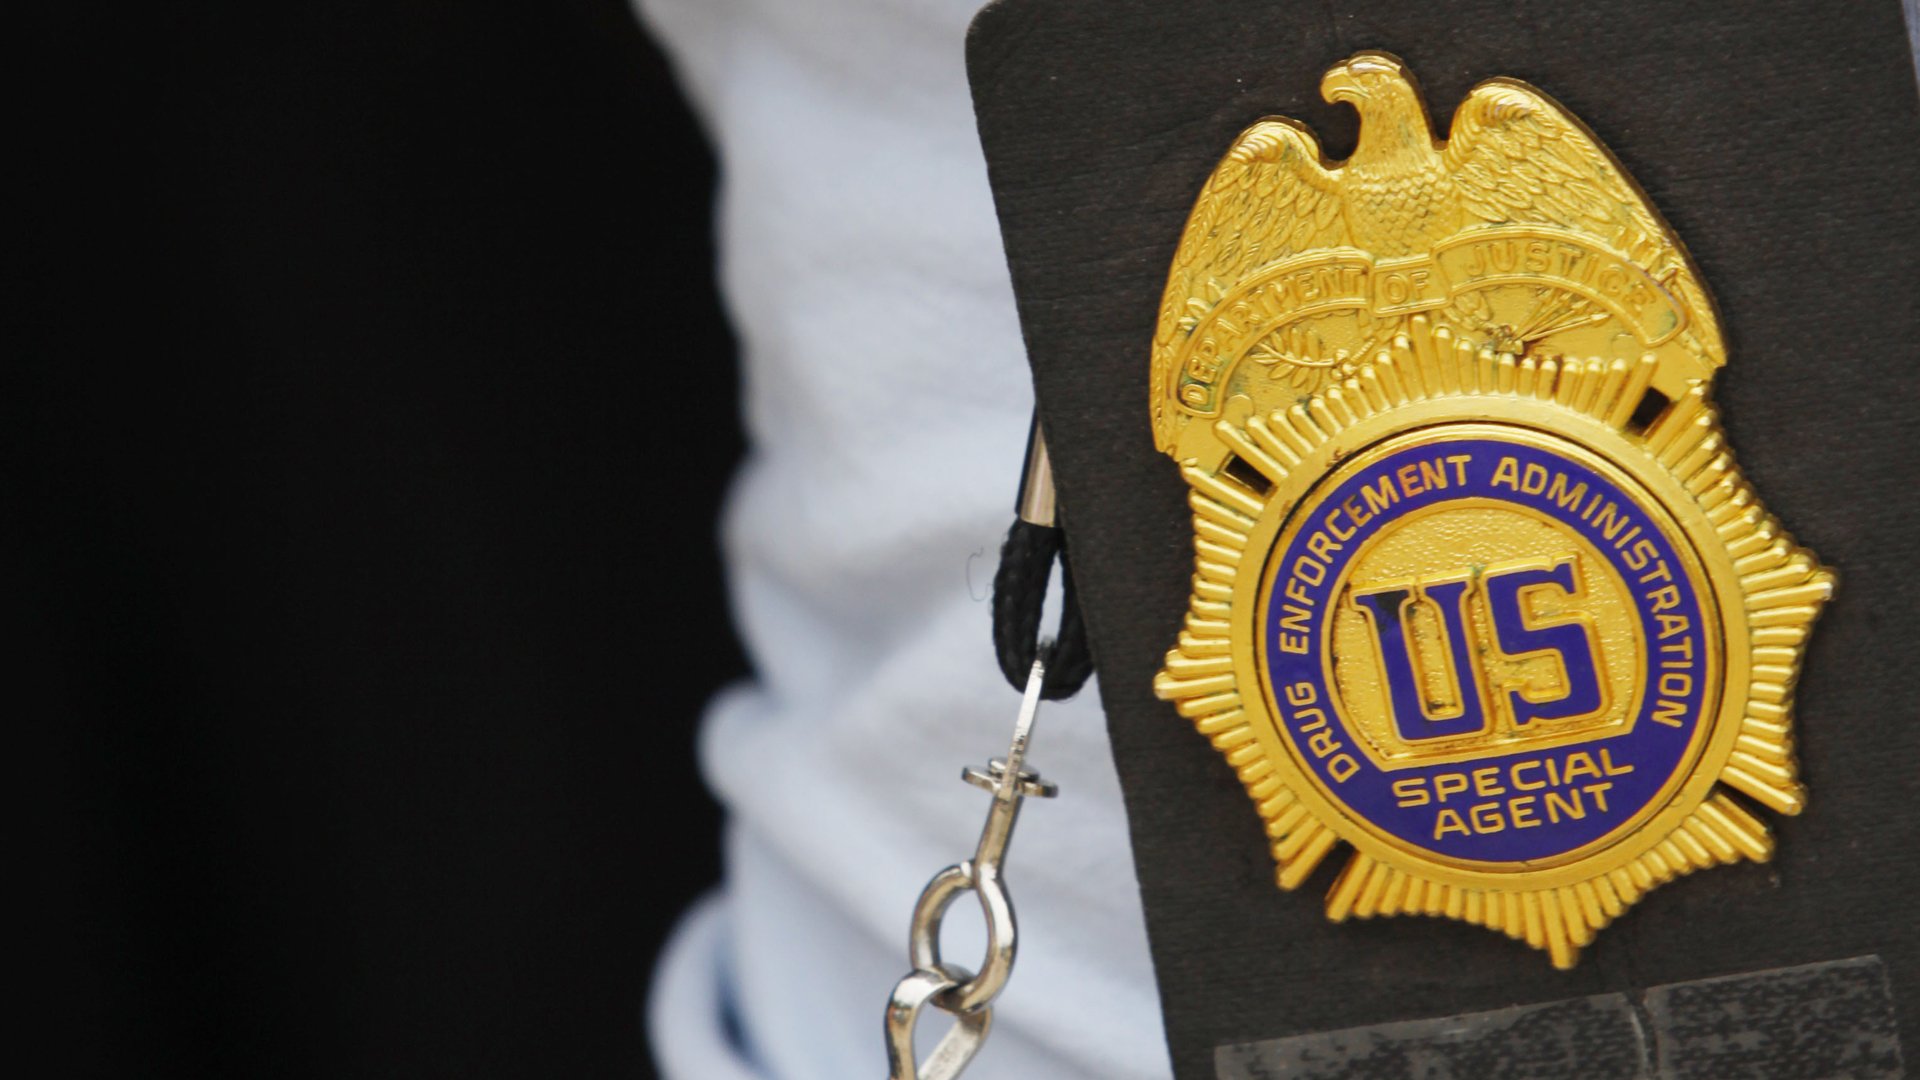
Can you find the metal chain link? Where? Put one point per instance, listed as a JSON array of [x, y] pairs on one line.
[[952, 989]]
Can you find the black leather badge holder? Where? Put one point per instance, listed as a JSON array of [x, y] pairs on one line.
[[1781, 140]]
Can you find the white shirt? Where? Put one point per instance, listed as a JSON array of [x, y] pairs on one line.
[[887, 399]]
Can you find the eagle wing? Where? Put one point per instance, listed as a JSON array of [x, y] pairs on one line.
[[1517, 156], [1271, 196]]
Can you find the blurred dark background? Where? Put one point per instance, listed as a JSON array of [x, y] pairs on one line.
[[365, 434]]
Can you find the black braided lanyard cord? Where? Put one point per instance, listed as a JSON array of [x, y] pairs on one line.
[[1019, 593], [1033, 545]]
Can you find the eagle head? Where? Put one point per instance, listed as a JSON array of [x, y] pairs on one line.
[[1393, 120], [1367, 79]]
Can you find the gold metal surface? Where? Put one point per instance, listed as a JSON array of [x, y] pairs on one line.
[[1037, 504], [1509, 286]]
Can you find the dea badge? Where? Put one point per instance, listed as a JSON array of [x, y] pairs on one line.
[[1479, 592]]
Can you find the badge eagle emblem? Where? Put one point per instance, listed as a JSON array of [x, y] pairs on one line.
[[1479, 592]]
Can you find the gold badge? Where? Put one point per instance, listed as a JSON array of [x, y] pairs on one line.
[[1479, 591]]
